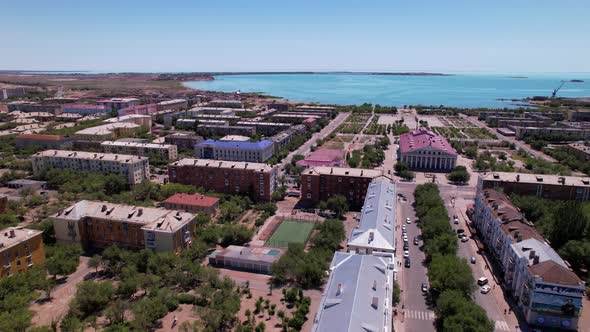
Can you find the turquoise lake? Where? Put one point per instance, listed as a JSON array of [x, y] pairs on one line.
[[459, 90]]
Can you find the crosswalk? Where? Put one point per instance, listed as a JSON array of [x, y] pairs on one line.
[[501, 326], [419, 314]]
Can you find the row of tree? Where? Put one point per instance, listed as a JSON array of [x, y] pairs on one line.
[[452, 283]]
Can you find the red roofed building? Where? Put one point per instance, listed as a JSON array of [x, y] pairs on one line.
[[323, 157], [424, 150], [193, 203]]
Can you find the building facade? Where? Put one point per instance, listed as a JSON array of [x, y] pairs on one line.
[[541, 185], [174, 104], [580, 150], [251, 259], [115, 104], [110, 131], [20, 250], [320, 183], [259, 151], [163, 151], [422, 149], [266, 128], [547, 292], [146, 109], [96, 224], [223, 130], [183, 141], [253, 179], [135, 169], [84, 109], [43, 141]]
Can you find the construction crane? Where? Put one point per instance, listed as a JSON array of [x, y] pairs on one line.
[[556, 90]]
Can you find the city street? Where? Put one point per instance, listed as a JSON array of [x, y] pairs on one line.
[[416, 316]]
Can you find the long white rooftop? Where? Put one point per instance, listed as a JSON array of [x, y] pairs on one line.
[[122, 158], [260, 167]]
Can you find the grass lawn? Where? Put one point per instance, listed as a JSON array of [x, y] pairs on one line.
[[290, 231]]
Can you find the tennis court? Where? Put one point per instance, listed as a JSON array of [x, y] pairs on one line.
[[290, 231]]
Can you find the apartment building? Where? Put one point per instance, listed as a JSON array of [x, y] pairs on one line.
[[164, 151], [109, 131], [183, 140], [580, 150], [422, 149], [293, 118], [194, 203], [174, 104], [546, 291], [96, 224], [44, 141], [115, 104], [375, 231], [226, 103], [223, 130], [358, 294], [579, 115], [146, 109], [20, 249], [541, 185], [85, 109], [30, 106], [569, 132], [320, 183], [138, 119], [135, 169], [259, 151], [256, 180], [266, 128], [12, 92]]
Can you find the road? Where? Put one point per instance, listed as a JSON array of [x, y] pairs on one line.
[[306, 147], [417, 314], [517, 143], [493, 302]]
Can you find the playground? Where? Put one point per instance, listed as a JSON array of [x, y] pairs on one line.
[[290, 231]]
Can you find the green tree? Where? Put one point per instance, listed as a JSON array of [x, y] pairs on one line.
[[577, 253], [62, 259], [95, 262], [451, 273], [338, 205], [401, 167], [570, 223], [91, 297], [459, 175]]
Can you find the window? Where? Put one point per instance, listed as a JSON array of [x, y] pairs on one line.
[[308, 195]]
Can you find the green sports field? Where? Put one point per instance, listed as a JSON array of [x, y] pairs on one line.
[[290, 231]]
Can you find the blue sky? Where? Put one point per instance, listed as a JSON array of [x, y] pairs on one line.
[[417, 35]]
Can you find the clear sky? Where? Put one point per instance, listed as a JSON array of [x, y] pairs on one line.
[[240, 35]]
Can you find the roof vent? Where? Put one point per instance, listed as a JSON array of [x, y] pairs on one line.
[[375, 302], [539, 179], [496, 176], [12, 235], [371, 236], [531, 254], [374, 284], [517, 177], [103, 208], [536, 259], [139, 212], [339, 290]]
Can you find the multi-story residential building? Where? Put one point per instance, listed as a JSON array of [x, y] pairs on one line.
[[96, 224], [357, 296], [214, 111], [138, 119], [282, 139], [570, 132], [20, 249], [44, 141], [266, 128], [29, 106], [293, 118], [278, 106], [306, 108], [223, 130], [226, 103], [84, 109], [320, 183], [259, 151], [541, 185], [578, 115], [580, 150], [547, 292], [425, 150], [12, 92], [164, 151], [194, 203], [254, 179], [229, 118], [183, 140], [135, 169], [174, 104], [147, 109], [110, 131], [376, 229], [115, 104]]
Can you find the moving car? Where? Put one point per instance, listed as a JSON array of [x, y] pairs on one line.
[[424, 288], [482, 281], [485, 289], [408, 221], [472, 260], [406, 254]]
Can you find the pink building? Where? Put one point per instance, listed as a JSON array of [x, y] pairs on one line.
[[422, 149], [323, 157], [147, 109]]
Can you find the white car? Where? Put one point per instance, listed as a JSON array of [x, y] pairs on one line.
[[408, 221], [405, 238], [404, 227], [406, 253], [485, 289], [464, 239]]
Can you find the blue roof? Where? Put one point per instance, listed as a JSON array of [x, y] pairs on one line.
[[259, 145]]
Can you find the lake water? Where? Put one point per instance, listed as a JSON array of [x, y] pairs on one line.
[[459, 90]]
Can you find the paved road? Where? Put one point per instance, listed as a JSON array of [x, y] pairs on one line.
[[418, 316], [306, 147]]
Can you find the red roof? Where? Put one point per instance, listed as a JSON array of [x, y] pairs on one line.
[[192, 199], [422, 138]]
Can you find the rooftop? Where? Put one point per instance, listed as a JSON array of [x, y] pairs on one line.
[[41, 137], [249, 254], [376, 228], [137, 145], [14, 235], [258, 123], [192, 199], [118, 100], [236, 138], [357, 295], [536, 178], [580, 147], [121, 158], [259, 167], [127, 117], [26, 182], [341, 171], [258, 145], [173, 101], [155, 219], [302, 116], [106, 129], [84, 106], [423, 138]]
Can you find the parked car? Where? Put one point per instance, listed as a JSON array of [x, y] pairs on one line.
[[460, 231], [472, 260], [404, 227], [482, 281], [408, 221], [405, 237], [485, 289], [407, 263], [406, 247], [424, 288], [406, 254], [464, 239], [416, 242], [455, 220]]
